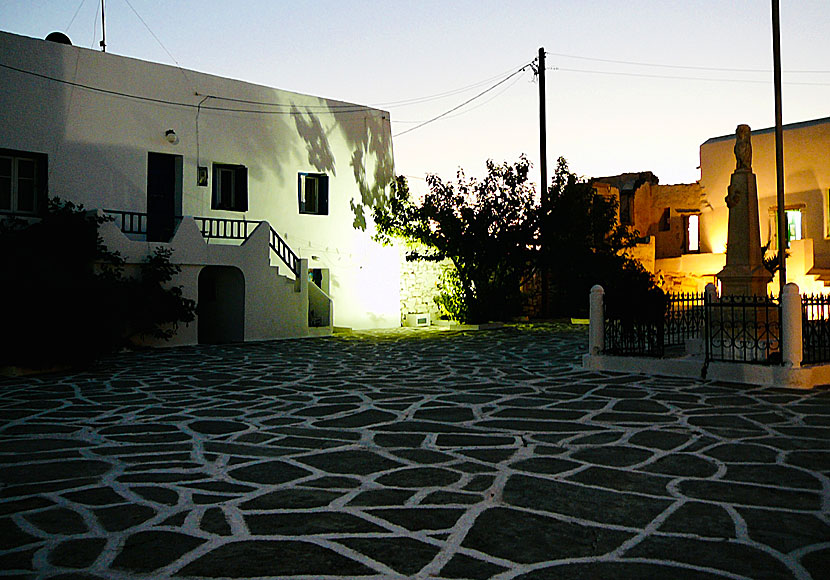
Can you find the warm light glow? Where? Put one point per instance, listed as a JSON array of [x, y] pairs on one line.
[[693, 233], [793, 224]]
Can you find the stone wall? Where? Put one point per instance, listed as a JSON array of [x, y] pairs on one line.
[[419, 284]]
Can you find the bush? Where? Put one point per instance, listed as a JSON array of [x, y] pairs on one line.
[[66, 298]]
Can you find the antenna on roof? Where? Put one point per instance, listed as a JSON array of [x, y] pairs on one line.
[[103, 42]]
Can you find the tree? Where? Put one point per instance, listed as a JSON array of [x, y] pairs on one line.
[[69, 299], [486, 227], [583, 244]]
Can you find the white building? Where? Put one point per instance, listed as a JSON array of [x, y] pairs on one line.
[[157, 146]]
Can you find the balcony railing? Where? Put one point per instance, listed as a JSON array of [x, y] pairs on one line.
[[131, 222]]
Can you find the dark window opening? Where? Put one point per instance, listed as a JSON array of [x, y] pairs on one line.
[[665, 224], [22, 182], [230, 187], [313, 193], [627, 208]]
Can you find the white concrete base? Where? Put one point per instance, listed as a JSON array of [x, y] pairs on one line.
[[805, 377]]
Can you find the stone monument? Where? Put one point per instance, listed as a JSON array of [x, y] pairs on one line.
[[744, 273]]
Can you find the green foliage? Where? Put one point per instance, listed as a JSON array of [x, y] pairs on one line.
[[67, 299], [497, 235], [582, 245], [485, 227], [450, 298]]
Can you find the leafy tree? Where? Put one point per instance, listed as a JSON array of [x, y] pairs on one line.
[[583, 244], [497, 234], [68, 299], [485, 227]]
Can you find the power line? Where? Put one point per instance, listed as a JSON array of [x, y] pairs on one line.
[[354, 109], [343, 109], [74, 16], [683, 78], [401, 103], [482, 93], [161, 44], [687, 67]]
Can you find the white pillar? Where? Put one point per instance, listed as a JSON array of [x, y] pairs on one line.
[[711, 292], [791, 336], [596, 331]]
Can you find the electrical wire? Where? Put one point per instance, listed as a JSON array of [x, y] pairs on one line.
[[355, 109], [687, 67], [682, 78], [468, 101], [401, 103], [161, 44], [74, 16]]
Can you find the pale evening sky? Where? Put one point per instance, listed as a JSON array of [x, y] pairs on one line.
[[632, 85]]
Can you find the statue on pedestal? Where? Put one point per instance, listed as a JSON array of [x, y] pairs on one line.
[[744, 273]]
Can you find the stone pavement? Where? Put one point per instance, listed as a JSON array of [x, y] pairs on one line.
[[407, 454]]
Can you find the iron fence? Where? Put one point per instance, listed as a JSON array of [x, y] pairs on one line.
[[685, 318], [633, 337], [815, 328], [744, 329]]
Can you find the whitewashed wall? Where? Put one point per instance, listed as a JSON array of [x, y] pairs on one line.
[[97, 145]]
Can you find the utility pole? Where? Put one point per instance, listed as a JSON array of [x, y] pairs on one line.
[[543, 189], [543, 154], [779, 150], [103, 42]]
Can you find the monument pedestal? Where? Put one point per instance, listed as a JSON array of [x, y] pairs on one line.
[[744, 273]]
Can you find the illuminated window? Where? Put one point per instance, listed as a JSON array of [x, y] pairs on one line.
[[22, 182], [313, 191], [793, 224], [230, 187], [692, 226]]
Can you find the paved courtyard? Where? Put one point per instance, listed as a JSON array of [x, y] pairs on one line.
[[407, 454]]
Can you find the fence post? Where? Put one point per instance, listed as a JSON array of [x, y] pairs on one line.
[[596, 330], [793, 347]]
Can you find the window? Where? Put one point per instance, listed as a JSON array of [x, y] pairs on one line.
[[793, 217], [664, 225], [313, 190], [794, 230], [230, 187], [22, 182], [626, 208], [692, 227]]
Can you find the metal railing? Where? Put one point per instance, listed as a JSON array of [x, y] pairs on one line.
[[633, 338], [285, 253], [224, 228], [815, 328], [744, 329], [685, 318], [132, 222], [129, 222]]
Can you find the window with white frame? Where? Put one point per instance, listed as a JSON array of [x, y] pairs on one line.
[[313, 193], [22, 182], [230, 187]]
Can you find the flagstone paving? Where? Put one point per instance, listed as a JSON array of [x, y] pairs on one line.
[[407, 454]]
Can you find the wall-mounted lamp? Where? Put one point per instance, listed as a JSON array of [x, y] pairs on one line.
[[171, 137]]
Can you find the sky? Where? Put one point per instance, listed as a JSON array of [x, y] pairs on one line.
[[631, 85]]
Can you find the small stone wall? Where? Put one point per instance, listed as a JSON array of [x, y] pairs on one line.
[[419, 284]]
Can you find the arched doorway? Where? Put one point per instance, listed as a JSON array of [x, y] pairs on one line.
[[221, 307]]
